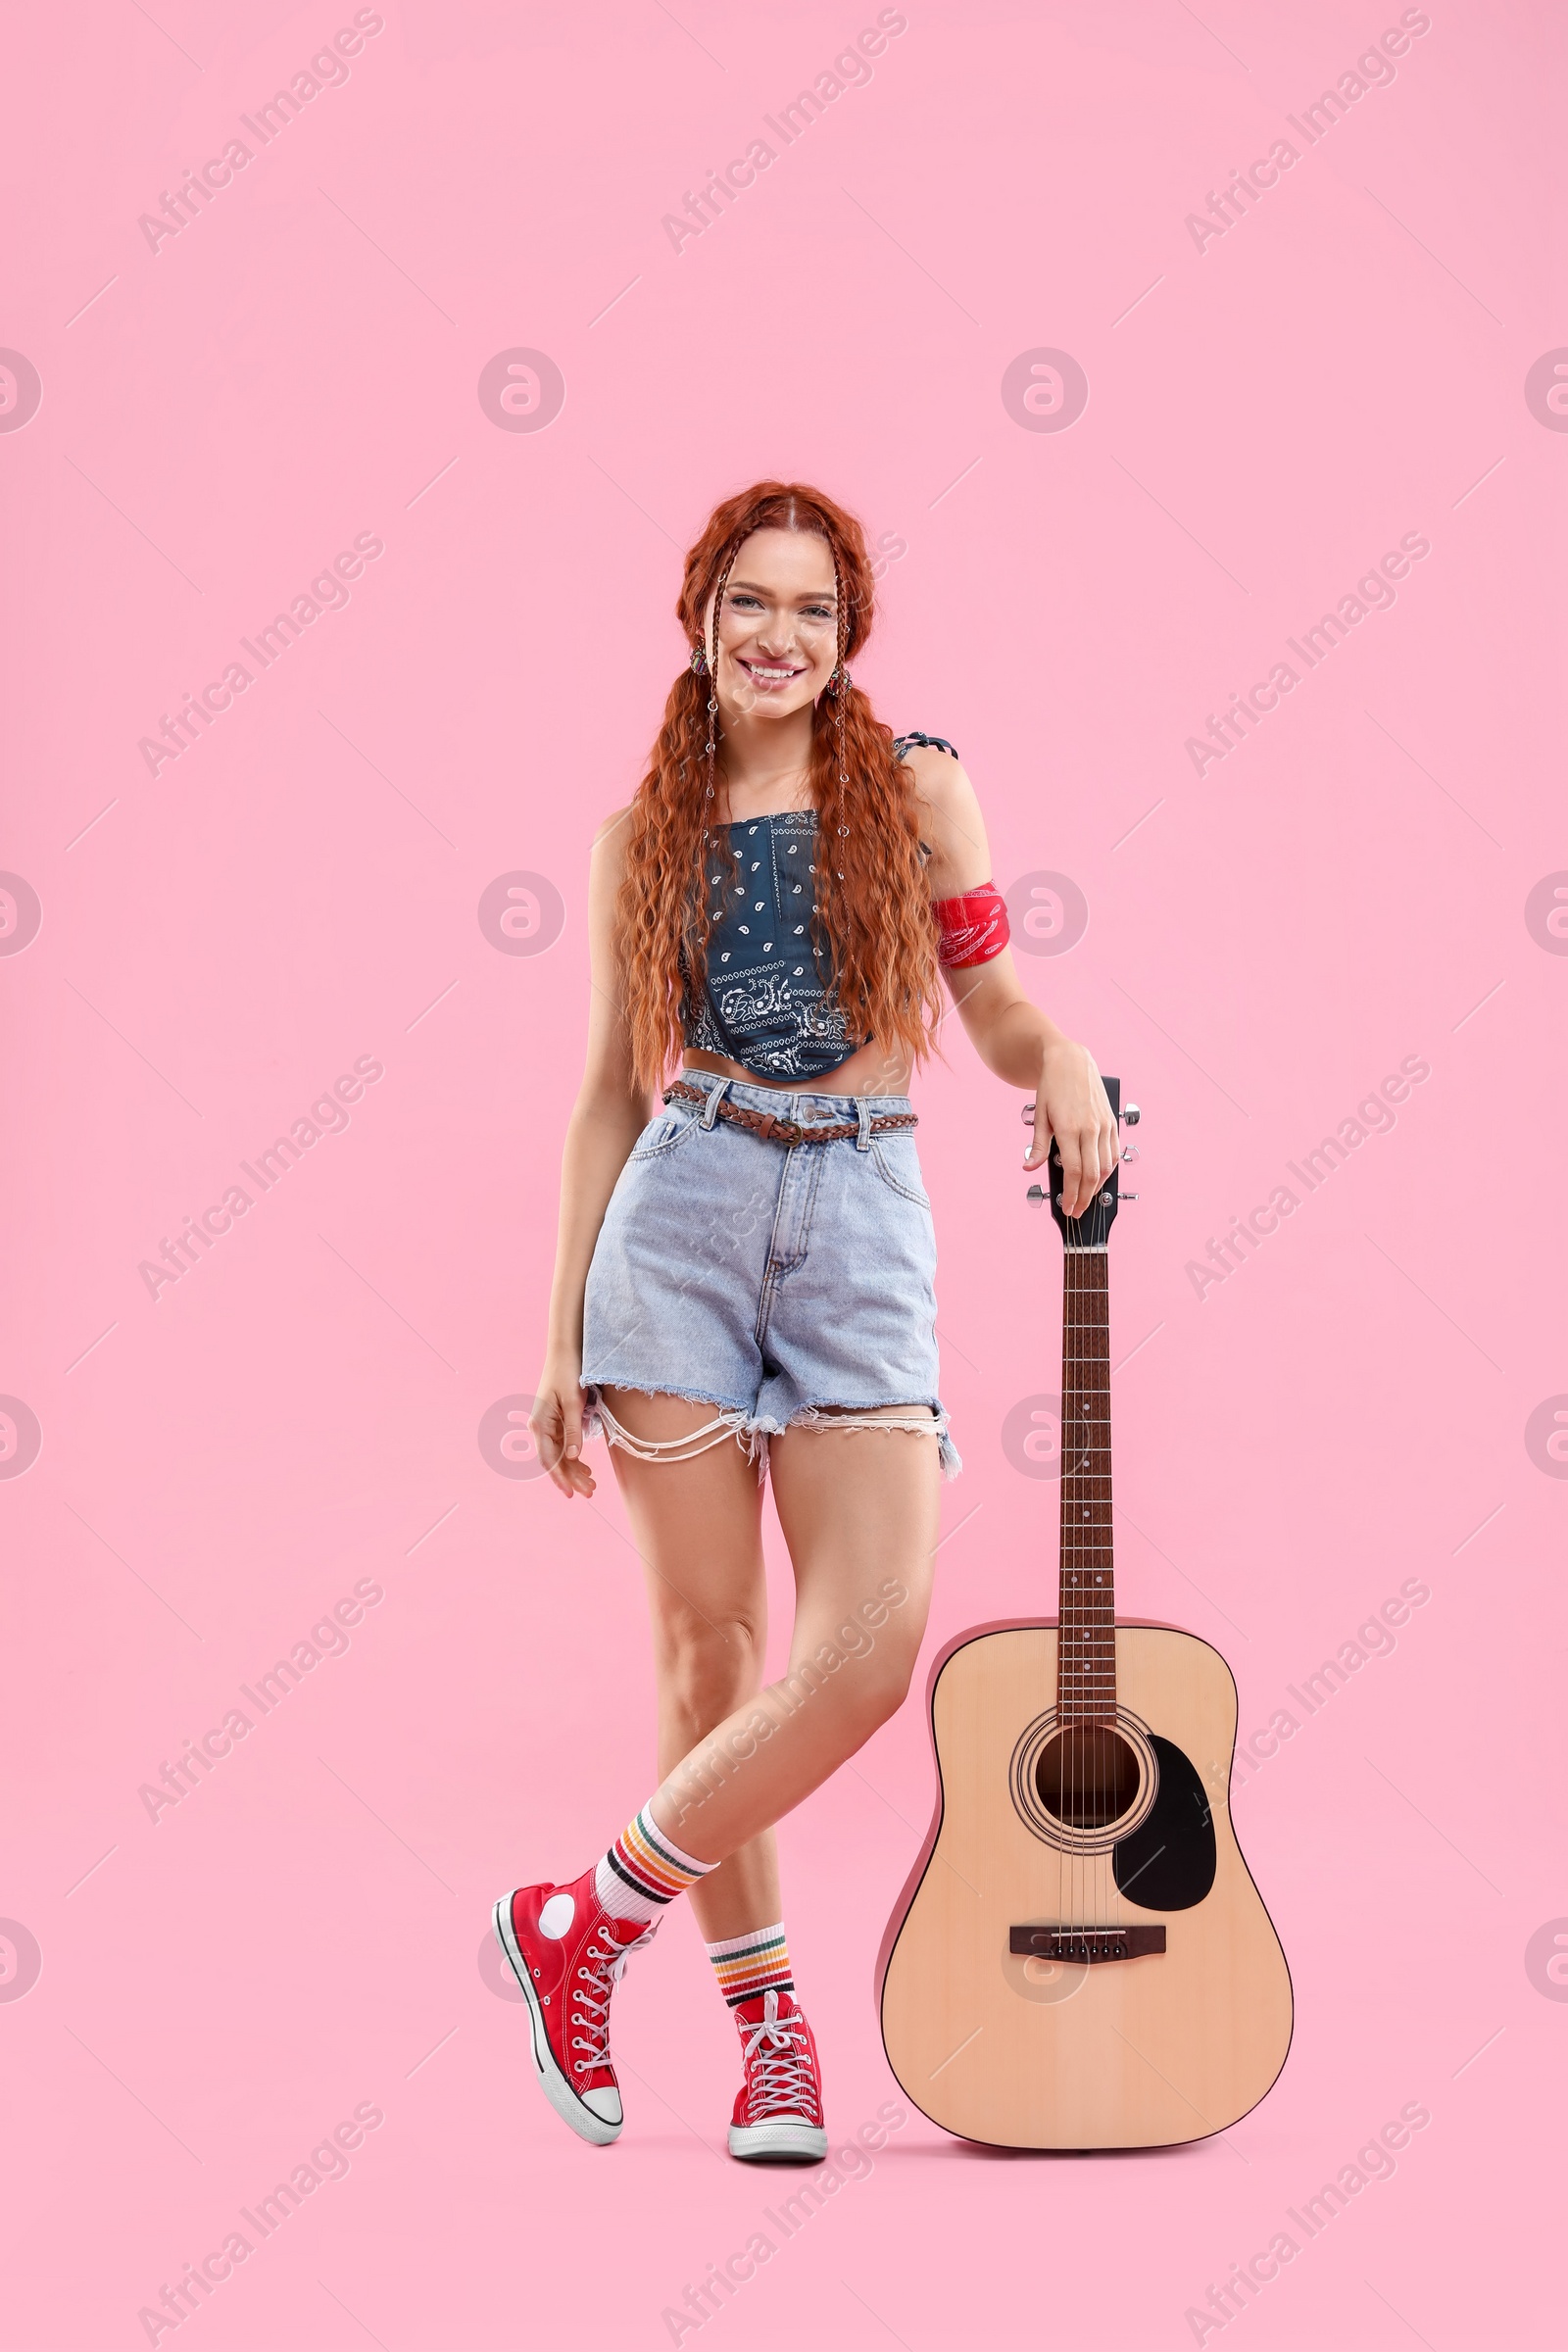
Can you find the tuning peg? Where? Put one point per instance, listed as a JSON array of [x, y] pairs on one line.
[[1027, 1114], [1036, 1194], [1132, 1115], [1126, 1196], [1130, 1151]]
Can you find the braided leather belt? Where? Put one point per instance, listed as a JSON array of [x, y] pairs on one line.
[[772, 1130]]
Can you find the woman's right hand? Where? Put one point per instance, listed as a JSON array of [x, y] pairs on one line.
[[556, 1425]]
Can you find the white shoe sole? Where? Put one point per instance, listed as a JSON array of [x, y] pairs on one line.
[[552, 2081], [778, 2142]]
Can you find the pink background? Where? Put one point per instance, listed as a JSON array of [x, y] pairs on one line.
[[300, 1411]]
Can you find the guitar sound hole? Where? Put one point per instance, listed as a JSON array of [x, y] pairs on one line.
[[1087, 1776]]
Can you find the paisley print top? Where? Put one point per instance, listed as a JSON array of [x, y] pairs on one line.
[[767, 1003]]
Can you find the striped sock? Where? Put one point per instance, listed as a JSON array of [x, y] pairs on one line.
[[753, 1964], [644, 1870]]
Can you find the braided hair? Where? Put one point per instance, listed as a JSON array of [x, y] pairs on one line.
[[873, 926]]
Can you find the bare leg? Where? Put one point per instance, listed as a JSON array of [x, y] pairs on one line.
[[858, 1509], [698, 1526]]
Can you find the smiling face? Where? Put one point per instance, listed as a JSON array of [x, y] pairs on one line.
[[778, 629]]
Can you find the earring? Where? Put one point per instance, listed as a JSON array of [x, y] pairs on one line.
[[699, 661]]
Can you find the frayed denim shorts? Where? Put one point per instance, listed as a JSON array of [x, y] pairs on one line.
[[771, 1282]]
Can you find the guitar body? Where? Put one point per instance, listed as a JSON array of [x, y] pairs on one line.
[[1070, 2044]]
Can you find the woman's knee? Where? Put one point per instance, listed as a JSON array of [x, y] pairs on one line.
[[707, 1666], [868, 1675]]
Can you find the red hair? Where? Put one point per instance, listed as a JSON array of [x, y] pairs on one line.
[[873, 915]]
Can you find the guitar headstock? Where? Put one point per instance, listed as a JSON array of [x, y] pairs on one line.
[[1089, 1230]]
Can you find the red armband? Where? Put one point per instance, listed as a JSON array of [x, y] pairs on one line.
[[972, 927]]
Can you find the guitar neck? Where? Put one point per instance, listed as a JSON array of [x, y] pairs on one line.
[[1086, 1656]]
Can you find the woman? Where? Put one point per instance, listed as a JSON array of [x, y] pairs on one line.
[[747, 1279]]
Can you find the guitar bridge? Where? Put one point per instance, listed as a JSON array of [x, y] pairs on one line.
[[1086, 1945]]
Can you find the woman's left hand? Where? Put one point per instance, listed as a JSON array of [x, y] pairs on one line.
[[1071, 1105]]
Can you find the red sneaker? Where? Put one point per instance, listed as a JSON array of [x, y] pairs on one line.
[[778, 2108], [568, 1954]]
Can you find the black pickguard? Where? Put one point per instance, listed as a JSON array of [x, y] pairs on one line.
[[1167, 1864]]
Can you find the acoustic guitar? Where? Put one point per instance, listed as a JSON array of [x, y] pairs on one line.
[[1080, 1958]]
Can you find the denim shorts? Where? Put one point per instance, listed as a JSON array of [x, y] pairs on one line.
[[767, 1281]]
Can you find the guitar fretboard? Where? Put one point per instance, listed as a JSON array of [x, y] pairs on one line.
[[1086, 1660]]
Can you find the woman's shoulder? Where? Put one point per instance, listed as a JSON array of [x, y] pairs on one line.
[[951, 829], [613, 828], [607, 858], [923, 742], [939, 776]]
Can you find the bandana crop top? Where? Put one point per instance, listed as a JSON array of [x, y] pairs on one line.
[[767, 1003]]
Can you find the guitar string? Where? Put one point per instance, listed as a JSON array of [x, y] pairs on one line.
[[1088, 1678], [1089, 1636], [1076, 1751], [1073, 1515], [1108, 1742], [1079, 1734], [1104, 1551], [1107, 1551], [1107, 1541], [1064, 1679], [1095, 1759], [1064, 1672], [1069, 1777]]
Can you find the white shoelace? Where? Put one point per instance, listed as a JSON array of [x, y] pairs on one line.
[[782, 2082], [600, 1980]]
